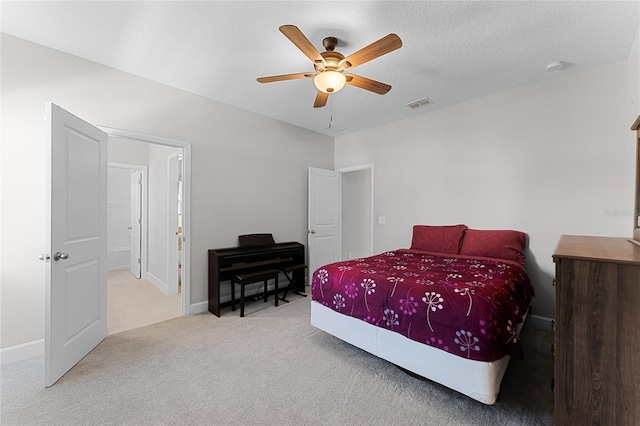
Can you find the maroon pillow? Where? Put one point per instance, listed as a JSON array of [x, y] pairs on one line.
[[440, 239], [498, 244]]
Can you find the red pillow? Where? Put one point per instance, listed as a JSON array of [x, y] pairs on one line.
[[498, 244], [440, 239]]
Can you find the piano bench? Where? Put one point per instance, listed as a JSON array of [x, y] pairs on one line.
[[250, 278]]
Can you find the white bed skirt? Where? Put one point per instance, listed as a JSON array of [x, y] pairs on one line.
[[476, 379]]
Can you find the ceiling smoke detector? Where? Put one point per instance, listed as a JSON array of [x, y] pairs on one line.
[[419, 103]]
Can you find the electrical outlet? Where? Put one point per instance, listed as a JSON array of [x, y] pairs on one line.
[[382, 220]]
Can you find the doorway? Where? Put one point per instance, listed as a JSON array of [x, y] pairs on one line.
[[356, 214], [126, 223], [155, 294], [132, 300], [76, 236], [341, 207]]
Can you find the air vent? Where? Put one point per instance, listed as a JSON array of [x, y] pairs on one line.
[[419, 103]]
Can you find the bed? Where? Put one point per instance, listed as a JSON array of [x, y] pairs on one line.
[[450, 308]]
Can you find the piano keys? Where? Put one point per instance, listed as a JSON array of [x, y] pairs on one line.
[[224, 263]]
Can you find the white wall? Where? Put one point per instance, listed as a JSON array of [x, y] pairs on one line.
[[128, 151], [550, 158], [119, 209], [633, 78], [249, 173]]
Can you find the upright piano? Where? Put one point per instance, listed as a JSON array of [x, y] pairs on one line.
[[224, 263]]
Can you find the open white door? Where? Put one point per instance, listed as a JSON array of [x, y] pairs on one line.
[[136, 221], [76, 268], [324, 218]]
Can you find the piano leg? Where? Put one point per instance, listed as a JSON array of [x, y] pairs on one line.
[[292, 281], [233, 295], [241, 301]]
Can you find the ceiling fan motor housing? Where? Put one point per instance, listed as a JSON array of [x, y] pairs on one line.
[[332, 60]]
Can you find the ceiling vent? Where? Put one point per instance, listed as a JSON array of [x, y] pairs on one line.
[[419, 103]]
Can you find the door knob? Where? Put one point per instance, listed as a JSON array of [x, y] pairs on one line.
[[313, 231], [128, 227], [44, 257], [57, 256]]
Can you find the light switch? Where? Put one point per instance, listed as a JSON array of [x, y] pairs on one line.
[[382, 220]]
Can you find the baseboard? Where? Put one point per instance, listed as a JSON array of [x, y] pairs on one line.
[[118, 268], [198, 308], [542, 323], [162, 286], [22, 351]]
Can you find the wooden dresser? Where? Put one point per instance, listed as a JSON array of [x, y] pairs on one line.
[[597, 337]]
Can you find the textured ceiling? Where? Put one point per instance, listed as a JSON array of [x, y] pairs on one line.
[[452, 51]]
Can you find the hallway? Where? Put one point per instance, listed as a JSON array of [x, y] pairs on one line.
[[133, 303]]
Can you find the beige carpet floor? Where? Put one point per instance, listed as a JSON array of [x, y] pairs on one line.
[[269, 368]]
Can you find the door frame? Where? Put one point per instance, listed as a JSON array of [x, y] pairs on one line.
[[143, 214], [362, 167], [186, 193], [173, 176]]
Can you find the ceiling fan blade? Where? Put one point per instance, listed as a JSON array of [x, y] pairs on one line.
[[294, 34], [283, 77], [386, 44], [367, 84], [321, 99]]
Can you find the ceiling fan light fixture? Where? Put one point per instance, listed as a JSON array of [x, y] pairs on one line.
[[329, 81]]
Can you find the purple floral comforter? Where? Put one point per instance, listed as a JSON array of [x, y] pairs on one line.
[[468, 306]]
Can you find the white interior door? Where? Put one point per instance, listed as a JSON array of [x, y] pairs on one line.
[[324, 218], [76, 271], [136, 221]]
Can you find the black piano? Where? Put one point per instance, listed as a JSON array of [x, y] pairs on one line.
[[256, 252]]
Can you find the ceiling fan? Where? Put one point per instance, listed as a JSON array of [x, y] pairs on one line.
[[329, 77]]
